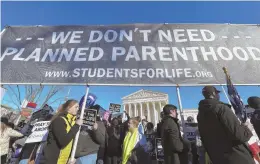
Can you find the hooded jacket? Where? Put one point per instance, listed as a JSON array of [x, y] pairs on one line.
[[222, 135], [60, 140]]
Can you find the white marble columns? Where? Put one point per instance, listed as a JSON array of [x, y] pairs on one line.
[[141, 110], [153, 109], [135, 110], [148, 111]]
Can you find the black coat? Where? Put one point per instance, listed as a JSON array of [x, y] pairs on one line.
[[90, 141], [222, 135], [139, 156], [113, 147], [174, 147], [255, 120], [58, 138]]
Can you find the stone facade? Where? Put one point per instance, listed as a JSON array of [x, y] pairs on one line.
[[150, 104]]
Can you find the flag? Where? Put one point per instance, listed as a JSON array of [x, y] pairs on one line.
[[91, 99], [31, 105], [236, 101]]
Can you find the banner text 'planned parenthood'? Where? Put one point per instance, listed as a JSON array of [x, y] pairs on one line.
[[134, 52]]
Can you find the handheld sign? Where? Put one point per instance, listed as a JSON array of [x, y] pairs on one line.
[[150, 138], [106, 115], [190, 134], [114, 107], [159, 149], [89, 118], [39, 132]]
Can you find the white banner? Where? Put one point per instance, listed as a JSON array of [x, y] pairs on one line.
[[39, 132]]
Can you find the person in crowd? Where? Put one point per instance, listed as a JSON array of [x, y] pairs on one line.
[[120, 119], [29, 148], [191, 127], [149, 129], [100, 136], [159, 125], [144, 122], [62, 130], [254, 102], [140, 125], [124, 127], [222, 135], [200, 149], [134, 146], [6, 133], [113, 148], [174, 146], [89, 143]]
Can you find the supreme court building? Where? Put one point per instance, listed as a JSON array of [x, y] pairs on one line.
[[150, 104]]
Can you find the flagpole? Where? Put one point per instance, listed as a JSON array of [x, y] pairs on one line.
[[224, 91], [66, 98], [180, 107], [73, 152], [229, 102], [24, 104]]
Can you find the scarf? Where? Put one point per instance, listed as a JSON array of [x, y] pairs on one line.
[[129, 144]]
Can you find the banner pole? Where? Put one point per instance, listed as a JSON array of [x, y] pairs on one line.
[[18, 119], [180, 107], [2, 32], [73, 152]]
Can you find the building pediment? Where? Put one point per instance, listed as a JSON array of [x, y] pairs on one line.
[[144, 94]]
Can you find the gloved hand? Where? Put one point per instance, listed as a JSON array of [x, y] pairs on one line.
[[100, 161]]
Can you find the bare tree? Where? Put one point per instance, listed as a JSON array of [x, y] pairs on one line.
[[40, 95]]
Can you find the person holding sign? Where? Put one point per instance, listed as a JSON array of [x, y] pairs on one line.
[[63, 128]]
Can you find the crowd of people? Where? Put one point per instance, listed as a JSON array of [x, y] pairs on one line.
[[220, 137]]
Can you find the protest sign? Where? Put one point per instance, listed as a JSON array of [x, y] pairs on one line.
[[114, 107], [159, 149], [190, 131], [39, 132], [89, 118], [133, 54], [150, 138], [106, 115], [40, 114]]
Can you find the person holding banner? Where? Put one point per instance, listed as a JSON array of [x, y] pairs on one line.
[[222, 135], [6, 134], [62, 130]]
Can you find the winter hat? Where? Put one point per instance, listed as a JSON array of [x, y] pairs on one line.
[[4, 120], [254, 102]]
